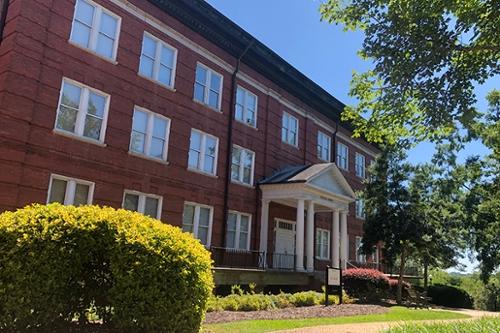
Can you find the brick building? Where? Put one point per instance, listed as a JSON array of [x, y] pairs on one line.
[[171, 109]]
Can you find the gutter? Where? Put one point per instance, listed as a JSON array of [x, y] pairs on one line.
[[3, 17], [333, 158], [229, 148]]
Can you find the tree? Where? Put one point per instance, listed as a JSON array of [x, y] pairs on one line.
[[392, 215], [482, 200], [427, 57]]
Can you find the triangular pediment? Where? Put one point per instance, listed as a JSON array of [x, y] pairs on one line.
[[328, 178]]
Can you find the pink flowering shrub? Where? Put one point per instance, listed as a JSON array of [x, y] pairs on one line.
[[365, 284]]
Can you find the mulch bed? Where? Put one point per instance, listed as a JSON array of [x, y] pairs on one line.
[[296, 313]]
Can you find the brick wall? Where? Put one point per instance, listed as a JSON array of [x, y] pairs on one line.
[[34, 57]]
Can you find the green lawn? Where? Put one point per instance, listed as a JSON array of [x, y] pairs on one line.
[[395, 313]]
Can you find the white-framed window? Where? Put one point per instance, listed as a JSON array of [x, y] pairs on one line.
[[324, 146], [203, 151], [95, 28], [360, 257], [208, 87], [242, 165], [290, 129], [342, 156], [360, 165], [360, 208], [82, 111], [70, 191], [158, 60], [147, 204], [150, 132], [322, 244], [238, 230], [246, 107], [197, 219]]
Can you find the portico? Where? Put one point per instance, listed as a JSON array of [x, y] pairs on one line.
[[310, 190]]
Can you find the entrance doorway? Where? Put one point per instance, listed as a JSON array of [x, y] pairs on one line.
[[284, 250]]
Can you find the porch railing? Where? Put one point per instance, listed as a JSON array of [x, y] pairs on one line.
[[235, 258]]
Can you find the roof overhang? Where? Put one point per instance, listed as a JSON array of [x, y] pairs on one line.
[[323, 184]]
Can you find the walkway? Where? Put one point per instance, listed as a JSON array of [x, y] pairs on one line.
[[377, 327]]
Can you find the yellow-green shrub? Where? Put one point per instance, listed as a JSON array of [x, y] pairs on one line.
[[137, 273]]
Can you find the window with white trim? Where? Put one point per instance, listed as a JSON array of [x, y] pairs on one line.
[[360, 257], [147, 204], [82, 111], [324, 144], [95, 28], [150, 133], [70, 191], [342, 156], [246, 107], [322, 244], [360, 165], [290, 129], [197, 219], [203, 150], [238, 231], [360, 208], [208, 87], [158, 60], [242, 165]]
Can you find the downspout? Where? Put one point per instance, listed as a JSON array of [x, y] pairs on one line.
[[3, 17], [333, 158], [229, 147]]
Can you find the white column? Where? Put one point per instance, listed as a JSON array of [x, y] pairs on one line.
[[299, 237], [344, 239], [310, 236], [264, 225], [335, 239]]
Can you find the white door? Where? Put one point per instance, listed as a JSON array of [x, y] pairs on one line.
[[284, 251]]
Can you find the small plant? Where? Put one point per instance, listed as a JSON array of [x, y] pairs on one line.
[[484, 325]]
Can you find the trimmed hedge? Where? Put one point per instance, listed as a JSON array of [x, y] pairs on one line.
[[136, 273], [393, 288], [365, 284], [449, 296]]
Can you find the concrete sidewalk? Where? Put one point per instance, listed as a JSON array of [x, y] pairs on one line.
[[380, 326]]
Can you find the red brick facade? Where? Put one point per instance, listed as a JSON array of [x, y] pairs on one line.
[[35, 55]]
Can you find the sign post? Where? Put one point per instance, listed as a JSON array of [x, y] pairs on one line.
[[333, 278]]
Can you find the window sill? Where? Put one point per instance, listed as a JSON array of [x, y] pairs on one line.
[[112, 61], [172, 89], [322, 259], [149, 158], [207, 106], [243, 184], [290, 145], [246, 124], [202, 173], [79, 138]]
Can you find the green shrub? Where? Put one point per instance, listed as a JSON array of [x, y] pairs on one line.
[[306, 298], [484, 325], [449, 296], [365, 284], [136, 273]]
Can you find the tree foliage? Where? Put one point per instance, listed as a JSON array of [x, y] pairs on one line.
[[427, 57], [409, 211]]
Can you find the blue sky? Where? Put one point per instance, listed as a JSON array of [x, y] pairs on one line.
[[323, 52]]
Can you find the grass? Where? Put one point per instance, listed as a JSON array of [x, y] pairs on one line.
[[395, 313], [484, 325]]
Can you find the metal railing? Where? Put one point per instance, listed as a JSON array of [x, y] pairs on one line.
[[235, 258]]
